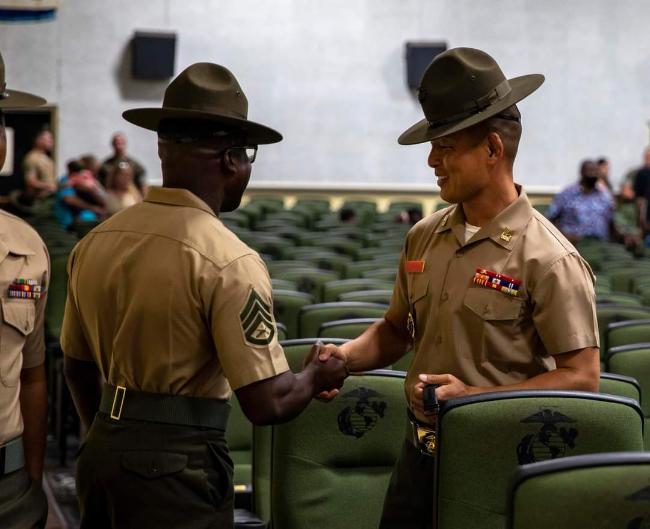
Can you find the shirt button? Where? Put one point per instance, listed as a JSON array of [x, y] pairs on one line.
[[445, 296]]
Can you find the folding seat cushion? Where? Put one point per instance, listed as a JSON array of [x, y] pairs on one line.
[[347, 329], [286, 308], [483, 438], [628, 332], [310, 279], [332, 289], [619, 298], [607, 314], [620, 386], [311, 317], [595, 491], [634, 361], [371, 296]]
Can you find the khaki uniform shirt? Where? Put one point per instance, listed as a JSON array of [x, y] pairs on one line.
[[22, 342], [39, 165], [486, 337], [165, 299]]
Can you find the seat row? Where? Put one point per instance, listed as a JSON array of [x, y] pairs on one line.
[[330, 466]]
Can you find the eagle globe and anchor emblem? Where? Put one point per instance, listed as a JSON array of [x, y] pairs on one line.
[[362, 414], [552, 440]]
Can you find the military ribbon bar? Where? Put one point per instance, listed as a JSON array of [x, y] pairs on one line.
[[414, 267]]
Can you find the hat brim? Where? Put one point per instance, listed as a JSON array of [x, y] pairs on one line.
[[150, 118], [521, 87], [16, 99]]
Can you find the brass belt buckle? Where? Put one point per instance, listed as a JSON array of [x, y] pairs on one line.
[[121, 391], [425, 439]]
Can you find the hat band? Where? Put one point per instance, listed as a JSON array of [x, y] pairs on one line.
[[477, 105]]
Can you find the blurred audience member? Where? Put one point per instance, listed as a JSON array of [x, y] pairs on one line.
[[39, 170], [628, 185], [603, 174], [584, 210], [410, 216], [347, 215], [91, 163], [80, 197], [118, 142], [120, 190]]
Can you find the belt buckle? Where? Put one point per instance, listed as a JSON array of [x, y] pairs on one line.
[[425, 439], [121, 391]]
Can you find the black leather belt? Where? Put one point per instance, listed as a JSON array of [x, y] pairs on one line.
[[12, 456], [423, 436], [121, 403]]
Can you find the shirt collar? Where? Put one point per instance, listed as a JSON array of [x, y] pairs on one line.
[[176, 197], [504, 229]]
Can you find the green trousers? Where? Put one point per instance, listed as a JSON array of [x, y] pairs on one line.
[[23, 504], [409, 499], [139, 475]]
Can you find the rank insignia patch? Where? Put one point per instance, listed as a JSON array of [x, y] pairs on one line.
[[257, 320]]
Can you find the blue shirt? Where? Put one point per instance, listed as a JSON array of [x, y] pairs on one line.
[[65, 214], [583, 214]]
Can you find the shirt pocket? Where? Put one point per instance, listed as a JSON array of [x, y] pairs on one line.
[[497, 332], [491, 305], [18, 317], [152, 464]]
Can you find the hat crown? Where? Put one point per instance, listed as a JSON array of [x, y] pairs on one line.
[[460, 82], [207, 87]]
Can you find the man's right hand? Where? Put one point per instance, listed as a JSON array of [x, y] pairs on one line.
[[324, 354], [328, 373]]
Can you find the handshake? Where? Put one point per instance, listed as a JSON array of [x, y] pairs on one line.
[[327, 367]]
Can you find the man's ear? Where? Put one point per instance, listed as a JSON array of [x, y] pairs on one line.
[[229, 163], [496, 148]]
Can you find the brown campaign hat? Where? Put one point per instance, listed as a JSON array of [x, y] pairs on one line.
[[462, 87], [13, 98], [205, 91]]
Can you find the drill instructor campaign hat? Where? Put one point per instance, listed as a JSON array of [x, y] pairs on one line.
[[205, 91], [14, 98], [462, 87]]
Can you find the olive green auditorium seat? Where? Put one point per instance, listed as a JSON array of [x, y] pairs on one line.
[[483, 438], [584, 492], [348, 329], [634, 361], [313, 316], [330, 466], [333, 289], [628, 332], [620, 386]]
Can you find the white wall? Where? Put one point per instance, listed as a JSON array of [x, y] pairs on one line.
[[331, 77]]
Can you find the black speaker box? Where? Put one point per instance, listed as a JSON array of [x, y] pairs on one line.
[[418, 56], [153, 55]]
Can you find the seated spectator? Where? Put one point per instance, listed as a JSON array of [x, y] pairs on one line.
[[80, 197], [603, 174], [411, 216], [347, 215], [120, 189], [584, 210], [119, 145]]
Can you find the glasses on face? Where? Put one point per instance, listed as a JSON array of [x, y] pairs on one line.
[[249, 150]]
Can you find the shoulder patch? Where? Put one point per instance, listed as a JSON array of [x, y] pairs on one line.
[[257, 320]]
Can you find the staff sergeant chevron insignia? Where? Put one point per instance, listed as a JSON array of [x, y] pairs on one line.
[[257, 320]]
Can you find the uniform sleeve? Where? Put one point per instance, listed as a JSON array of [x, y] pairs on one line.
[[398, 310], [564, 306], [34, 348], [29, 168], [73, 339], [242, 322]]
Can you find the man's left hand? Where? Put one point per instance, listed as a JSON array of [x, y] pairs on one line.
[[449, 387]]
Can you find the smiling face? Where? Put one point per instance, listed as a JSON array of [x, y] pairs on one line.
[[460, 163]]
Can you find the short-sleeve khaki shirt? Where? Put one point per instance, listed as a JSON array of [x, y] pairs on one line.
[[39, 165], [165, 299], [483, 336], [22, 341]]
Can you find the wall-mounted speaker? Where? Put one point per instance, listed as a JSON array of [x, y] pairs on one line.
[[418, 56], [153, 55]]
